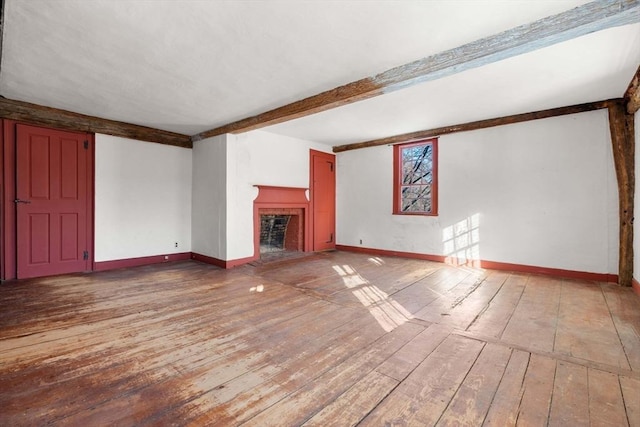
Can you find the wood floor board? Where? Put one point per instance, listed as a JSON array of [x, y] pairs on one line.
[[406, 359], [557, 356], [471, 402], [538, 388], [171, 345], [440, 309], [226, 405], [334, 338], [631, 394], [623, 308], [72, 289], [570, 403], [310, 399], [402, 276], [112, 308], [593, 337], [505, 405], [185, 325], [606, 404], [356, 402], [533, 323], [215, 357], [297, 372], [463, 314], [428, 289], [174, 313], [221, 375], [424, 395], [386, 278], [494, 318]]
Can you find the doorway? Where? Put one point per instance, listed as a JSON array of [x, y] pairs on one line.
[[323, 200], [53, 202]]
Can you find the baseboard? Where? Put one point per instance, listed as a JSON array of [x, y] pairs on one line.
[[136, 262], [493, 265], [157, 259], [219, 262], [208, 260], [383, 252], [635, 285], [547, 271]]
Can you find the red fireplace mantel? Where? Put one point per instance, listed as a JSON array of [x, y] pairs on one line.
[[270, 197], [285, 195]]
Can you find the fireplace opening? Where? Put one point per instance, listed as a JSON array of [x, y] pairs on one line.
[[273, 229], [281, 232]]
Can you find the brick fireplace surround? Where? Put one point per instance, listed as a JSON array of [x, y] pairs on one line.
[[283, 201]]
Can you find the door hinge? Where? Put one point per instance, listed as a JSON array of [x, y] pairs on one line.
[[330, 238], [331, 165], [86, 144], [85, 255]]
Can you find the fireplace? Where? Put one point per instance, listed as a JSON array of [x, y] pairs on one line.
[[281, 230], [280, 221]]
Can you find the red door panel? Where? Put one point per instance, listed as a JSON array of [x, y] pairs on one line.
[[323, 196], [53, 203]]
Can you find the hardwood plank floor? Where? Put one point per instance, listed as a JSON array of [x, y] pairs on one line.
[[334, 338]]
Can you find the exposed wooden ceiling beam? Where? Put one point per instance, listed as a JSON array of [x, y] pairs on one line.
[[632, 94], [62, 119], [481, 124], [585, 19]]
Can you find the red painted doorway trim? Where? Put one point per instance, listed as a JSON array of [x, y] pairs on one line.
[[8, 225]]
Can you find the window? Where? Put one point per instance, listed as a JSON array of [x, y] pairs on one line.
[[415, 172]]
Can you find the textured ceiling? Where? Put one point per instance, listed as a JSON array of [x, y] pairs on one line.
[[189, 66]]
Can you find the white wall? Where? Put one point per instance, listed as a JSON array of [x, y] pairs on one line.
[[142, 199], [260, 158], [209, 216], [539, 193]]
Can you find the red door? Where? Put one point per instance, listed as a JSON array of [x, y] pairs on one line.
[[323, 200], [53, 195]]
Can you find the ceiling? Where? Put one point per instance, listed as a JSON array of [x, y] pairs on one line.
[[188, 66]]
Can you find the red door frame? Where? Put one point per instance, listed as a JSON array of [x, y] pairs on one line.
[[8, 225], [332, 158], [8, 241]]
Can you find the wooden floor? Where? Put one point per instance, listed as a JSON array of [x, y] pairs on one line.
[[331, 339]]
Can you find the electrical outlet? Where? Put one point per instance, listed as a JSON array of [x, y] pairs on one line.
[[176, 244], [360, 241]]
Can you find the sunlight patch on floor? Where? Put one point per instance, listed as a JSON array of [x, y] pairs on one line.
[[387, 312]]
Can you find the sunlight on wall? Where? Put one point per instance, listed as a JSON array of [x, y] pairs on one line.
[[461, 242], [387, 312]]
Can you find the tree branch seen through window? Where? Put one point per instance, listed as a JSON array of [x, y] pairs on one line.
[[415, 178]]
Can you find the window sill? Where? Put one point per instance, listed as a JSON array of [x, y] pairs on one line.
[[415, 213]]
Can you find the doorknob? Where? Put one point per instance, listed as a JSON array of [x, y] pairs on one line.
[[22, 201]]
